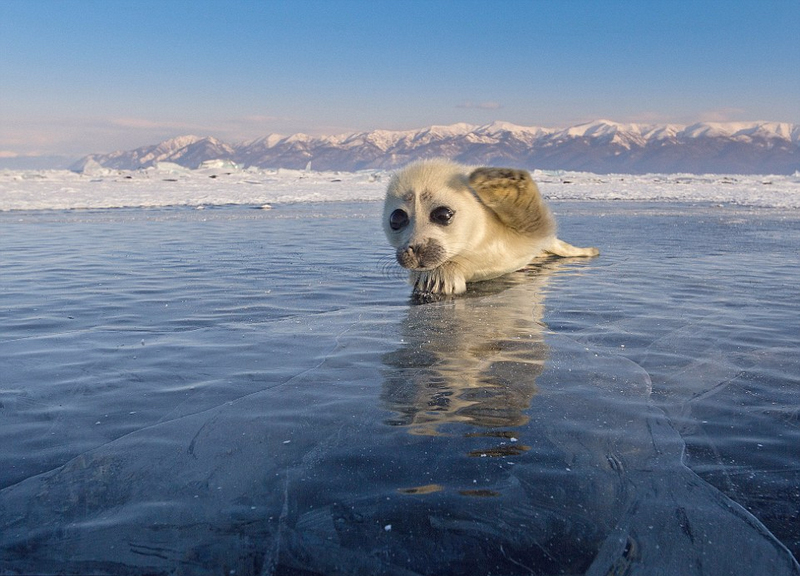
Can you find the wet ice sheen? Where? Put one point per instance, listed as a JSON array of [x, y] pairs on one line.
[[251, 391]]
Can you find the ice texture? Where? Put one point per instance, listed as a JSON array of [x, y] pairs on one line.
[[218, 183], [252, 392]]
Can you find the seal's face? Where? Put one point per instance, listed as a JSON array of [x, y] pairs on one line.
[[421, 254], [429, 214]]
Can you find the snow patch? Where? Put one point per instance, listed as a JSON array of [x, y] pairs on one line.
[[221, 182]]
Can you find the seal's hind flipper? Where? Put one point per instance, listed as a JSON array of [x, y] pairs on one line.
[[561, 248]]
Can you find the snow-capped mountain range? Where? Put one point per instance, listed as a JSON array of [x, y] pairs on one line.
[[601, 147]]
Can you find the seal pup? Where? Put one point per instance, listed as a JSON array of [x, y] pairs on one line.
[[451, 225]]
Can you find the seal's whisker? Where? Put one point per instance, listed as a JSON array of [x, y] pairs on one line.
[[390, 269]]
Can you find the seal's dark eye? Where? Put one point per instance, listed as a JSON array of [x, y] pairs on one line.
[[442, 215], [398, 219]]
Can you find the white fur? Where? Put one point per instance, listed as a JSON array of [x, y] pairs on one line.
[[476, 244]]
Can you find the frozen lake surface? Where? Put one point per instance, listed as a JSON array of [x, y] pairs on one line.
[[220, 183], [242, 391]]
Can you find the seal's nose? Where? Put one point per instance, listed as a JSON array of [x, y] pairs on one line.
[[409, 256]]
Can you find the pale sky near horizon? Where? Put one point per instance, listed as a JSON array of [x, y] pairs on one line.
[[83, 76]]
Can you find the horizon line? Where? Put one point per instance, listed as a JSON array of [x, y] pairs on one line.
[[10, 154]]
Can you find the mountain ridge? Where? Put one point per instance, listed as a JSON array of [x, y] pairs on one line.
[[601, 146]]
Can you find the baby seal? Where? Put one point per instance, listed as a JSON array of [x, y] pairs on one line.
[[452, 225]]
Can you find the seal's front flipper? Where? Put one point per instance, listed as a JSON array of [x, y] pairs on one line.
[[445, 280], [515, 198], [561, 248]]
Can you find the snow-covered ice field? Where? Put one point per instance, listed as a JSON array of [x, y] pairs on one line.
[[241, 391], [220, 183]]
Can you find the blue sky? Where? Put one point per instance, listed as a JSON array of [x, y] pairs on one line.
[[81, 76]]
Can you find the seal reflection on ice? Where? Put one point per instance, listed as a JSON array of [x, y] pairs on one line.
[[451, 225]]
